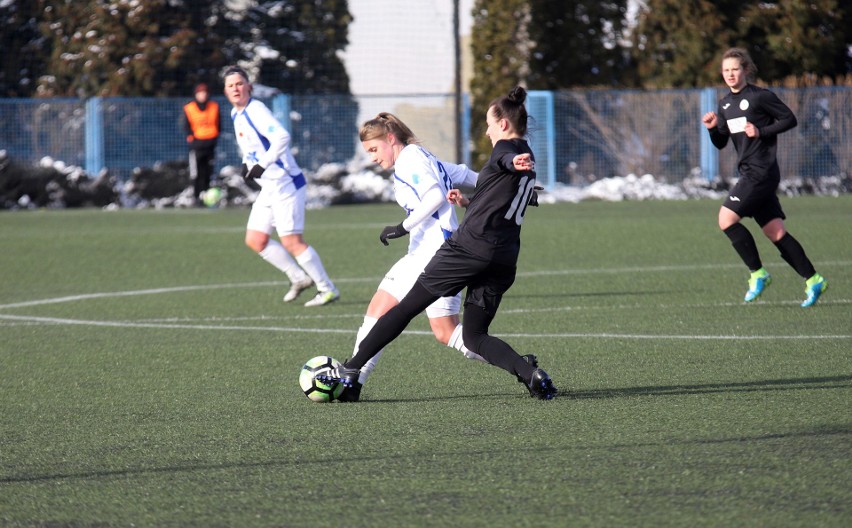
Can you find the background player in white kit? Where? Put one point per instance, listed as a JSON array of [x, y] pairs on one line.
[[420, 183], [280, 204]]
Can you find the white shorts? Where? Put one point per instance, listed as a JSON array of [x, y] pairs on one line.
[[402, 276], [285, 213]]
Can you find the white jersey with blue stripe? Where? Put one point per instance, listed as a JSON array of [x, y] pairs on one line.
[[416, 172], [264, 141]]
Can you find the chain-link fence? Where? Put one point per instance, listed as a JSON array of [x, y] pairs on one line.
[[578, 136], [121, 134], [582, 136]]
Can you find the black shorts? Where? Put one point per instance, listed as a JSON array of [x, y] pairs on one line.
[[757, 199], [453, 268]]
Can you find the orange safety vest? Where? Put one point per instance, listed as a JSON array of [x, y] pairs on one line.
[[204, 124]]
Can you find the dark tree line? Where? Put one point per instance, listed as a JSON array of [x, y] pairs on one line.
[[548, 44], [83, 48], [678, 44]]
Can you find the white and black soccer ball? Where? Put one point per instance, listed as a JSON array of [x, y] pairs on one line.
[[316, 390]]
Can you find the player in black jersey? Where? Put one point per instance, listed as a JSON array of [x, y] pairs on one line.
[[752, 117], [481, 255]]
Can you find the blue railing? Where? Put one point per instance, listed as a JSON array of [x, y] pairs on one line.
[[578, 136], [594, 134]]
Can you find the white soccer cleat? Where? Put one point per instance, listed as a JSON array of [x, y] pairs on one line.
[[297, 288], [323, 298]]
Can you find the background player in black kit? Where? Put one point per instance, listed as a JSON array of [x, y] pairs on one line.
[[481, 255], [752, 118]]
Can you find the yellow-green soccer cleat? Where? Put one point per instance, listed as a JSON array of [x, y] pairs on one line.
[[814, 288], [758, 282]]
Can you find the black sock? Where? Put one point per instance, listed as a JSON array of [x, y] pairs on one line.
[[744, 244], [493, 349], [794, 254]]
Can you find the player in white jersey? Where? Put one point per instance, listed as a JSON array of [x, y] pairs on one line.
[[420, 184], [480, 256], [280, 204]]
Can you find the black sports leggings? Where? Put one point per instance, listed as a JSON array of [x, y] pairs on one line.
[[475, 336]]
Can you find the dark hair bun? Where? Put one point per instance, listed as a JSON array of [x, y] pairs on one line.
[[518, 95]]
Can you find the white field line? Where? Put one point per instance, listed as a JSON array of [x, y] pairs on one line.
[[653, 269], [25, 319], [587, 308], [154, 291], [132, 324], [131, 293], [185, 324], [32, 320]]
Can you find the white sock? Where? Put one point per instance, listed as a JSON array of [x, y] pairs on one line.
[[457, 343], [366, 326], [310, 261], [275, 254]]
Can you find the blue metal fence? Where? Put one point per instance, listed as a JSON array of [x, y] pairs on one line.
[[578, 136], [595, 134], [121, 134]]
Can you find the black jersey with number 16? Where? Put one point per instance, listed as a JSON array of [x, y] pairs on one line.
[[491, 227]]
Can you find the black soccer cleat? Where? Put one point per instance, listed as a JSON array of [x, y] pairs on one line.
[[533, 361], [541, 386], [345, 376], [351, 394]]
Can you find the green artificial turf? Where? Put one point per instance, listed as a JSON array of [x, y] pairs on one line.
[[148, 377]]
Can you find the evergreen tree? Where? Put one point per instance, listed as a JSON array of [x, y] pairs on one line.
[[543, 45], [293, 46], [678, 44], [120, 48], [22, 44], [794, 38], [501, 49], [163, 47], [577, 43], [296, 44]]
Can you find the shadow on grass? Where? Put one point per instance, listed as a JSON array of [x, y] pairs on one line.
[[823, 431], [563, 295], [828, 382], [816, 383]]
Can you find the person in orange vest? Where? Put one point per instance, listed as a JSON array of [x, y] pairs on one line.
[[202, 124]]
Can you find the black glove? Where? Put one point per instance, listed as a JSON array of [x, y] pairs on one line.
[[255, 173], [534, 196], [243, 171], [392, 232]]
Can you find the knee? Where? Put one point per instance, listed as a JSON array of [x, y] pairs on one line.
[[442, 335], [727, 218], [774, 230], [294, 244], [443, 328], [256, 243]]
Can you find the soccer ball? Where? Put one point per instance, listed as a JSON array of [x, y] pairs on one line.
[[313, 389], [212, 196]]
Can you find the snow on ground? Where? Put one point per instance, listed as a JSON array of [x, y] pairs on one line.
[[54, 184]]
